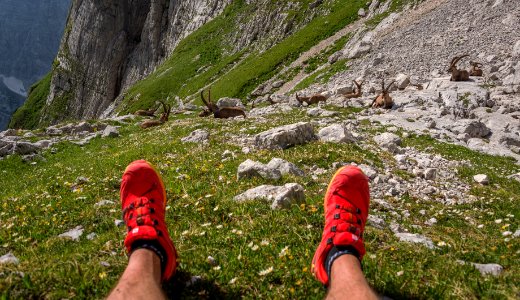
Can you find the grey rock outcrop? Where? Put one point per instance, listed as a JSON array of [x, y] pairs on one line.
[[285, 136], [127, 48], [278, 196]]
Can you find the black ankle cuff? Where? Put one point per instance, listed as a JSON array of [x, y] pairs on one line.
[[154, 246], [336, 252]]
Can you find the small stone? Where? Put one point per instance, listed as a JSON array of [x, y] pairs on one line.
[[119, 223], [489, 269], [104, 264], [228, 154], [285, 167], [430, 174], [9, 258], [376, 222], [507, 233], [481, 178], [416, 239], [431, 222], [212, 261], [362, 12], [104, 203], [91, 236], [517, 233], [388, 141], [73, 234]]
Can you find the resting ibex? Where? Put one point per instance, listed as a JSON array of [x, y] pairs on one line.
[[456, 74], [476, 69], [271, 101], [219, 113], [314, 99], [162, 120], [357, 92], [384, 100], [147, 112]]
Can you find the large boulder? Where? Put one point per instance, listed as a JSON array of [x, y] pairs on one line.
[[402, 81], [278, 196], [285, 136], [336, 133], [250, 168], [360, 49], [285, 167], [198, 136], [230, 102], [473, 128], [388, 141]]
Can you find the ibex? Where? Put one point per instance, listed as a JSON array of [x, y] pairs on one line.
[[476, 69], [162, 120], [219, 113], [357, 92], [456, 74], [384, 100], [314, 99], [271, 101], [147, 112]]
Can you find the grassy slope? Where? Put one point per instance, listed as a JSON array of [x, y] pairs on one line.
[[237, 74], [28, 115], [38, 203]]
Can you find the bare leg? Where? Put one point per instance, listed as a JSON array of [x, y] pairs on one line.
[[347, 280], [141, 279]]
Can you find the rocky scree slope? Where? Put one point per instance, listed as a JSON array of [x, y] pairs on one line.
[[414, 47]]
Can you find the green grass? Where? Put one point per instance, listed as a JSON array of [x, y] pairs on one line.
[[322, 75], [43, 200], [28, 115], [238, 74]]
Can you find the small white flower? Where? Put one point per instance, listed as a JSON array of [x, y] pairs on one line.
[[266, 271], [239, 257], [507, 233], [264, 243], [217, 268], [206, 224], [283, 252], [255, 247], [250, 244], [480, 226], [220, 226], [185, 232], [400, 273], [441, 244], [498, 221], [232, 281]]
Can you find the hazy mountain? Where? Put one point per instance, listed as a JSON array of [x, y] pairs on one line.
[[30, 33]]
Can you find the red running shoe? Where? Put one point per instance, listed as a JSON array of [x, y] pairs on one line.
[[346, 211], [143, 200]]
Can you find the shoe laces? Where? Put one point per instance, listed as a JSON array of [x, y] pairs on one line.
[[141, 208]]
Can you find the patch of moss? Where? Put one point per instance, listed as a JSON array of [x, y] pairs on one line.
[[28, 115]]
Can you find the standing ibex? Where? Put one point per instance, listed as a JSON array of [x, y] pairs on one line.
[[384, 100], [476, 69], [357, 92], [456, 74], [162, 120], [219, 113], [147, 112], [314, 99]]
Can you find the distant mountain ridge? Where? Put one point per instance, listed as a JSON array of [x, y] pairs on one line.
[[30, 33]]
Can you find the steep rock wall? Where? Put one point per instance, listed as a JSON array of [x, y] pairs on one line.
[[109, 45]]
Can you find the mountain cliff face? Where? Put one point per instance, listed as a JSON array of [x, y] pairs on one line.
[[30, 33], [109, 45]]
